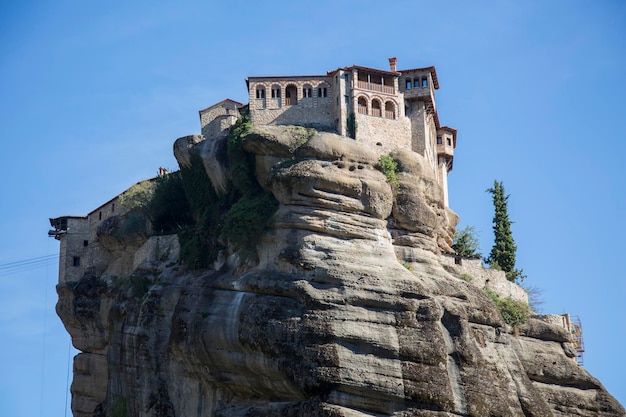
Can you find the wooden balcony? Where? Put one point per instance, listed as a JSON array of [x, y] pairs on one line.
[[365, 85]]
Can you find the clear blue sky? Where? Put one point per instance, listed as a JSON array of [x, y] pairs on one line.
[[93, 94]]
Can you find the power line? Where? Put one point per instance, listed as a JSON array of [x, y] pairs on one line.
[[11, 268], [9, 264]]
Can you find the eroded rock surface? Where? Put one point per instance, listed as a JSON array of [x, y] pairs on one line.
[[327, 322]]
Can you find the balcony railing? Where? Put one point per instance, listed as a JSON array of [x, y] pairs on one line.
[[376, 112], [365, 85], [390, 114], [362, 110]]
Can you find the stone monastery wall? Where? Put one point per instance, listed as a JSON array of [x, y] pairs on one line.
[[303, 101], [383, 133]]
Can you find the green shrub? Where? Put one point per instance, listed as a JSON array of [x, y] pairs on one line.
[[388, 166], [169, 208], [351, 125], [466, 242], [240, 214], [248, 218], [513, 312]]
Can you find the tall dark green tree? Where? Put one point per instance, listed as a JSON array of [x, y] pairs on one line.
[[502, 254]]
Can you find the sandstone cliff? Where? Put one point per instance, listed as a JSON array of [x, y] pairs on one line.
[[345, 310]]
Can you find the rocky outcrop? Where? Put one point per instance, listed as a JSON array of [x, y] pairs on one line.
[[347, 311]]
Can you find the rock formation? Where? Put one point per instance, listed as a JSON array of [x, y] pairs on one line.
[[345, 311]]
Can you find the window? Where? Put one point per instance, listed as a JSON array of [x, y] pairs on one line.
[[322, 92], [424, 82], [275, 92], [291, 95], [439, 140], [346, 99], [76, 261], [99, 215], [376, 108], [416, 83], [362, 105], [112, 207], [85, 243], [448, 141], [390, 110], [408, 84], [307, 92], [260, 92]]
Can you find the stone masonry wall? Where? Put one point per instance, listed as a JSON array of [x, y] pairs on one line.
[[312, 111], [216, 120], [388, 133], [74, 245]]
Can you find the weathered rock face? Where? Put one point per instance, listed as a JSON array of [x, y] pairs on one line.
[[328, 322]]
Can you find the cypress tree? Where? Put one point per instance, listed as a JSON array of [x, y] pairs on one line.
[[502, 254]]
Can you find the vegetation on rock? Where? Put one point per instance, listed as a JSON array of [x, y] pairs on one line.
[[240, 215], [513, 312], [351, 125], [169, 209], [388, 166], [466, 243]]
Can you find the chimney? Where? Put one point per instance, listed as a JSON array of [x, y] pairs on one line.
[[392, 64]]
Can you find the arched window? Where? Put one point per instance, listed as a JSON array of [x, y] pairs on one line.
[[322, 90], [276, 91], [307, 91], [390, 110], [416, 82], [291, 95], [376, 108], [260, 91], [362, 105]]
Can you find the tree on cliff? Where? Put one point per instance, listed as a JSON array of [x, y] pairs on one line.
[[502, 254], [466, 242]]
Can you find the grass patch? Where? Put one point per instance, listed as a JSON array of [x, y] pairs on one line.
[[407, 265], [466, 277]]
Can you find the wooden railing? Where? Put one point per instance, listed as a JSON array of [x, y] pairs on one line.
[[362, 110], [376, 112], [390, 114], [375, 87]]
